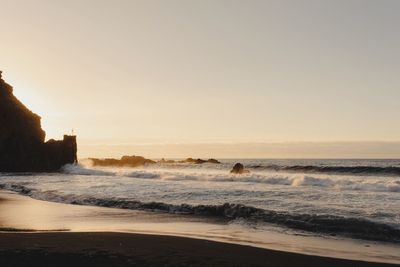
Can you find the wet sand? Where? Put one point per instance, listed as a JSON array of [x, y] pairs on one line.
[[39, 233], [123, 249]]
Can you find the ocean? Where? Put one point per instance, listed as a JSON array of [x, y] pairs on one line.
[[356, 199]]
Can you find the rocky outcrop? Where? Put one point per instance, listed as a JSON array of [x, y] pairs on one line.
[[213, 161], [125, 161], [136, 161], [238, 168], [190, 160], [166, 161], [22, 139]]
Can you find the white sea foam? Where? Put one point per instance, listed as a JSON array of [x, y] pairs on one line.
[[316, 223], [388, 184], [345, 192], [81, 170]]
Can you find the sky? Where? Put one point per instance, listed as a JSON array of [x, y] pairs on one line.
[[169, 78]]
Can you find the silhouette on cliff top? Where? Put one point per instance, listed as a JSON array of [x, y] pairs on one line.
[[22, 139]]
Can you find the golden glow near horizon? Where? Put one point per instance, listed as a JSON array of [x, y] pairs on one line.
[[207, 71]]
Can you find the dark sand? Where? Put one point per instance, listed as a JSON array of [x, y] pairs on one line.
[[123, 249]]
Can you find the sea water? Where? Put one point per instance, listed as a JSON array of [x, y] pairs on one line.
[[358, 199]]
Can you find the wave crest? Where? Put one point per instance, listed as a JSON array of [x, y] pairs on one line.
[[77, 169], [359, 184], [353, 170], [325, 224]]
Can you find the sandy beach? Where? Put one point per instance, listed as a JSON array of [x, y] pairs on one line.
[[123, 249], [48, 234]]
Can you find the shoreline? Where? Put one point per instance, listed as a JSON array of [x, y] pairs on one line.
[[44, 225], [124, 249]]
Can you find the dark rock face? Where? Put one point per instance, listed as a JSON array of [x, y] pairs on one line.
[[125, 161], [238, 168], [22, 146]]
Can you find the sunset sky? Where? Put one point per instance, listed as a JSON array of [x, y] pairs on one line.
[[165, 78]]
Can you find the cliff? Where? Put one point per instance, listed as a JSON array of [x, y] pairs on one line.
[[22, 139]]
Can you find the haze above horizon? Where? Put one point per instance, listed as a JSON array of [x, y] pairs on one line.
[[209, 72]]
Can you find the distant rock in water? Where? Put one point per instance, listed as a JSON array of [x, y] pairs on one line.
[[190, 160], [125, 161], [213, 161], [238, 168], [195, 161], [166, 161], [22, 139]]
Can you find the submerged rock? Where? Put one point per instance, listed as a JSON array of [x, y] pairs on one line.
[[22, 139], [238, 168]]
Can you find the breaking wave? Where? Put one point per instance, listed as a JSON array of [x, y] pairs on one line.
[[323, 224], [81, 170], [357, 183], [353, 170]]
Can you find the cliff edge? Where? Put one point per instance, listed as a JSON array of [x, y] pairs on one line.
[[22, 139]]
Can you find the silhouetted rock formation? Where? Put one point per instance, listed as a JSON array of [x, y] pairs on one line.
[[136, 161], [22, 146], [125, 161], [213, 161], [238, 168], [166, 161], [190, 160]]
